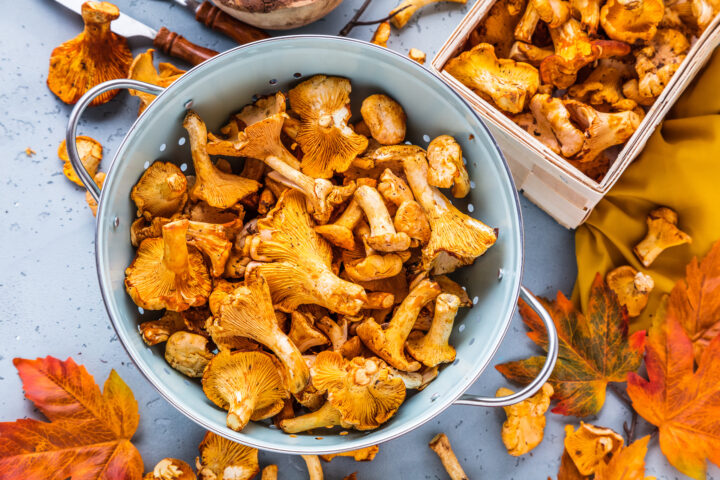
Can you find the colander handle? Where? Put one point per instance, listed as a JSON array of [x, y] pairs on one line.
[[77, 111], [537, 383]]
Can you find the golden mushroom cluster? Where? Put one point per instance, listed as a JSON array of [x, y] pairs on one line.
[[302, 268], [579, 75]]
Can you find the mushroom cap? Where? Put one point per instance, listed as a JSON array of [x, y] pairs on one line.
[[250, 385], [529, 53], [359, 267], [223, 459], [509, 84], [366, 454], [552, 110], [338, 235], [362, 389], [538, 128], [213, 240], [300, 269], [188, 353], [657, 63], [410, 219], [99, 181], [213, 186], [385, 118], [524, 428], [158, 331], [382, 34], [446, 166], [142, 69], [166, 273], [394, 189], [95, 56], [589, 445], [631, 20], [171, 469], [142, 229], [303, 333], [631, 287], [328, 143], [90, 152], [604, 84], [161, 191]]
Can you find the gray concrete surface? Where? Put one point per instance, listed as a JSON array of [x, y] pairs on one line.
[[49, 298]]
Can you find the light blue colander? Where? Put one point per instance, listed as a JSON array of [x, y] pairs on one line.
[[222, 85]]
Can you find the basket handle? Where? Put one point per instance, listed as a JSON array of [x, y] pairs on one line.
[[77, 111], [539, 381]]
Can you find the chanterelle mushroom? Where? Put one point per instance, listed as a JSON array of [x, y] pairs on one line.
[[361, 393], [340, 232], [525, 425], [631, 20], [167, 273], [632, 288], [573, 50], [589, 445], [248, 312], [656, 63], [589, 12], [389, 343], [529, 53], [604, 84], [171, 469], [539, 128], [549, 109], [446, 166], [298, 261], [213, 186], [214, 241], [328, 143], [249, 385], [223, 459], [407, 8], [456, 238], [100, 181], [363, 263], [142, 69], [662, 233], [161, 191], [188, 353], [509, 84], [432, 348], [304, 334], [95, 56], [602, 130], [385, 118], [552, 12], [90, 152], [382, 34], [366, 454], [383, 236]]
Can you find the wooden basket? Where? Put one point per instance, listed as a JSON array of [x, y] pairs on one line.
[[543, 176]]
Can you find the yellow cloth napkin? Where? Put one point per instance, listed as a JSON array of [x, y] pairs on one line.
[[679, 168]]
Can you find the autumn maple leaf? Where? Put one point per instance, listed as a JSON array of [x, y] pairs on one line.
[[695, 301], [594, 349], [88, 436], [683, 402]]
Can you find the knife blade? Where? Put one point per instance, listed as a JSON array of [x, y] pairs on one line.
[[165, 40], [213, 17]]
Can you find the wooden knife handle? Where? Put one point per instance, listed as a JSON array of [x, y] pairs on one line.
[[178, 46], [211, 16]]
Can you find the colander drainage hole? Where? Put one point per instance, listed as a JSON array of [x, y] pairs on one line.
[[183, 166], [472, 340], [141, 310], [167, 372], [472, 184], [297, 74], [475, 300], [457, 360], [434, 397], [471, 207], [461, 327], [163, 147], [116, 222], [146, 165], [426, 138], [181, 141], [273, 81]]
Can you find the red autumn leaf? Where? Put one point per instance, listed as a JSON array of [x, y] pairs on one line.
[[628, 463], [695, 301], [682, 402], [594, 349], [88, 436]]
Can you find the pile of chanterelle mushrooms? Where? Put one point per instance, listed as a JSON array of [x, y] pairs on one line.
[[317, 273], [578, 75]]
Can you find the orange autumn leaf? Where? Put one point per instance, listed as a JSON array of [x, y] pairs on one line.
[[594, 349], [88, 436], [568, 470], [627, 464], [695, 301], [684, 403]]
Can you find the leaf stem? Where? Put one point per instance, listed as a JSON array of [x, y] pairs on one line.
[[622, 396]]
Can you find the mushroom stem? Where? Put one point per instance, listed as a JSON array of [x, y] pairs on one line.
[[526, 26], [326, 416], [441, 446], [383, 236], [175, 250], [389, 344], [433, 348], [240, 411], [313, 466], [270, 473]]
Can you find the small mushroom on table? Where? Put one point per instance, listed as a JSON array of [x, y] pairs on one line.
[[223, 458]]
